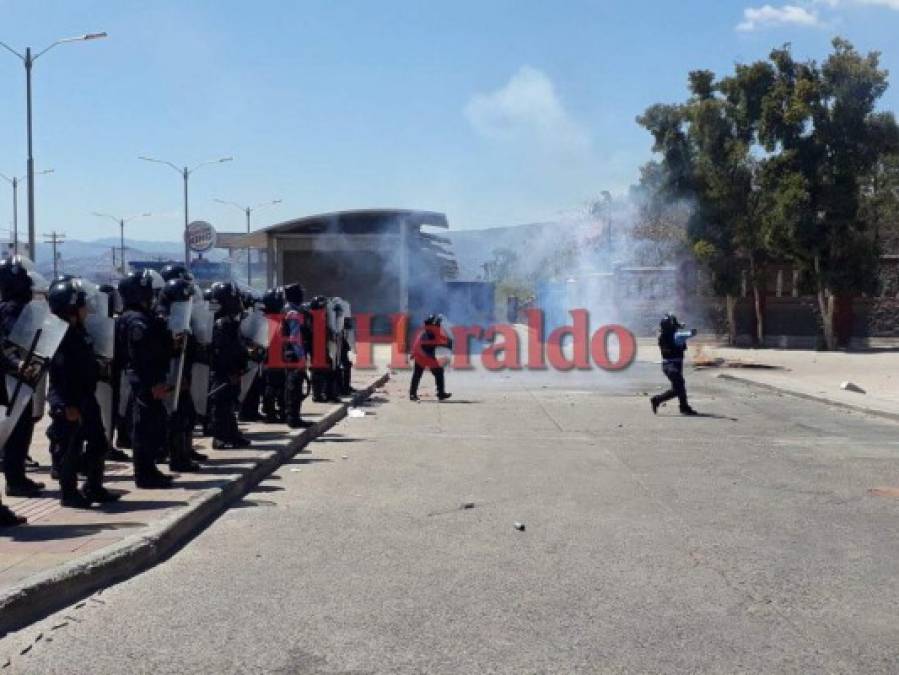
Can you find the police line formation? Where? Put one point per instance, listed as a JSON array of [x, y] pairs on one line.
[[147, 362]]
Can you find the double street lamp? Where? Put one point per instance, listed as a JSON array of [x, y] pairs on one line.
[[28, 61], [248, 210], [185, 173], [14, 181], [121, 222]]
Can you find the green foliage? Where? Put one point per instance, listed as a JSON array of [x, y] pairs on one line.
[[782, 160]]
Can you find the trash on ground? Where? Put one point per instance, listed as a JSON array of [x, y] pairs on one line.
[[707, 362], [355, 412], [345, 457], [468, 505], [851, 386], [295, 470], [519, 527]]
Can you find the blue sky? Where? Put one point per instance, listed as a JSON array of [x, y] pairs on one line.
[[497, 112]]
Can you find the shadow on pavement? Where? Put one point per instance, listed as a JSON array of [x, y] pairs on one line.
[[50, 532], [139, 505]]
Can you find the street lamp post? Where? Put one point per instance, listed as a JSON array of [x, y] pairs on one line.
[[185, 174], [121, 222], [248, 210], [14, 181], [28, 61]]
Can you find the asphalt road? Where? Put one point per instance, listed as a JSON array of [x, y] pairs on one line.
[[743, 541]]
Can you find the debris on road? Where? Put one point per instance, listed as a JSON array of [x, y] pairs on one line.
[[851, 386], [345, 457], [295, 470], [519, 527], [704, 362], [468, 505], [355, 412]]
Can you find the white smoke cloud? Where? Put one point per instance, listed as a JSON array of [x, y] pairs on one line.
[[767, 16], [527, 109]]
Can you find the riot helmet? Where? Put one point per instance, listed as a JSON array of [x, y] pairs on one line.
[[226, 297], [433, 320], [176, 271], [175, 290], [294, 293], [66, 296], [136, 289], [273, 301], [15, 281], [669, 323], [318, 302]]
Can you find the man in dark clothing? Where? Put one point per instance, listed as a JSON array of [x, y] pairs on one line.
[[149, 348], [74, 411], [228, 361], [673, 344], [424, 354], [180, 420], [296, 345], [15, 291]]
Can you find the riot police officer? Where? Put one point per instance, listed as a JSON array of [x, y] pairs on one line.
[[15, 292], [74, 412], [672, 347], [296, 334], [149, 351], [273, 375], [424, 354], [114, 305], [175, 271], [321, 367], [180, 420], [228, 362]]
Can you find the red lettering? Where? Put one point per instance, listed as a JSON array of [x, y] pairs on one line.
[[365, 340], [627, 347], [509, 348], [579, 339]]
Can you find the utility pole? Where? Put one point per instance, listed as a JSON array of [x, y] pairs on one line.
[[28, 60], [55, 239], [121, 223], [248, 211], [185, 176]]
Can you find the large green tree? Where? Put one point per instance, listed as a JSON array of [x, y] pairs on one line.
[[825, 137]]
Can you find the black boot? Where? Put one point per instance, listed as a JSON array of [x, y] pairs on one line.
[[181, 461], [8, 517]]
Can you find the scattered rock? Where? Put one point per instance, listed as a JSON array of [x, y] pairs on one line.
[[468, 505], [345, 457], [519, 527], [851, 386], [295, 470]]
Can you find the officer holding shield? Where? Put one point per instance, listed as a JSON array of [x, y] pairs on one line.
[[296, 335], [76, 421], [149, 349], [177, 293], [273, 376], [15, 291], [228, 361]]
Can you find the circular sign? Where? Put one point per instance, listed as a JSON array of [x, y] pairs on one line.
[[200, 236]]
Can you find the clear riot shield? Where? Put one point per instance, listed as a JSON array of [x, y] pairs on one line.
[[39, 401], [180, 314], [247, 379], [254, 327], [36, 316], [334, 315], [202, 321], [104, 399], [9, 418], [199, 387], [101, 329]]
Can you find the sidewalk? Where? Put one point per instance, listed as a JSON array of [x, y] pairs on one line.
[[63, 554], [817, 375]]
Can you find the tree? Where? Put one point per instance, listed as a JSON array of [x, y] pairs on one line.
[[820, 122]]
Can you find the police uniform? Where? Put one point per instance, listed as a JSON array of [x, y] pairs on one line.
[[228, 361], [296, 333], [79, 444], [424, 354], [16, 449], [672, 351], [149, 347]]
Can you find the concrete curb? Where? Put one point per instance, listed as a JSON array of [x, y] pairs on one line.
[[810, 397], [44, 593]]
